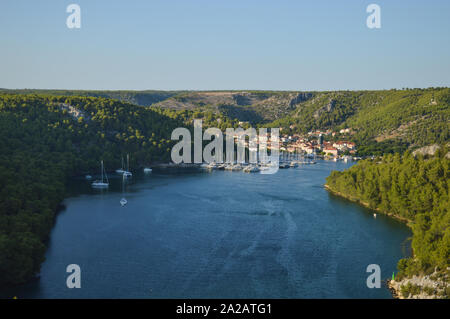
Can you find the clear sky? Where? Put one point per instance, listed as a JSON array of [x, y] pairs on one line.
[[224, 44]]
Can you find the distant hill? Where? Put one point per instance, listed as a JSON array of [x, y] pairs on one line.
[[380, 120], [143, 98]]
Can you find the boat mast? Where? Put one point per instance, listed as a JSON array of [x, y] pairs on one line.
[[106, 175]]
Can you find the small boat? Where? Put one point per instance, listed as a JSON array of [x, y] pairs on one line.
[[147, 170], [374, 215], [293, 164], [236, 167], [212, 165], [127, 174], [123, 201], [88, 177], [251, 169], [102, 183]]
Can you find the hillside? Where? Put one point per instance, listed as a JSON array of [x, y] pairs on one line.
[[381, 121], [142, 98], [414, 189]]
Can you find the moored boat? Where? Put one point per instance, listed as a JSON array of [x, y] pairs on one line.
[[103, 183]]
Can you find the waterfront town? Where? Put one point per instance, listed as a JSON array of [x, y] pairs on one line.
[[324, 143], [319, 143]]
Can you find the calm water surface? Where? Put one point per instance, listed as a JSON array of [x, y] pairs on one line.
[[218, 235]]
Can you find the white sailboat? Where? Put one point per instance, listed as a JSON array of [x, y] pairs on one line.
[[120, 170], [123, 201], [127, 173], [103, 183]]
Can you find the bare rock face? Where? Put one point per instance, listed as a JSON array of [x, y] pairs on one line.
[[331, 105], [242, 99], [327, 108], [427, 150], [300, 97]]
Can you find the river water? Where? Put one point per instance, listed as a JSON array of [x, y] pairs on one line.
[[193, 234]]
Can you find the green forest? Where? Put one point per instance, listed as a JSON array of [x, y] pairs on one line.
[[44, 142], [381, 121], [411, 188]]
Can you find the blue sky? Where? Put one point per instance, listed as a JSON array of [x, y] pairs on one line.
[[218, 44]]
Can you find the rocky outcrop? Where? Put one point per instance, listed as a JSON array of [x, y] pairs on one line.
[[432, 286], [430, 150], [427, 150], [242, 99], [74, 112], [327, 108], [331, 105], [299, 98]]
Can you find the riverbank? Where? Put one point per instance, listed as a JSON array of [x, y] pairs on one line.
[[419, 286], [358, 201]]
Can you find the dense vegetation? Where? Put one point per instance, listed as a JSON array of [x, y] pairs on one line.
[[143, 98], [412, 188], [43, 142], [397, 119], [386, 121]]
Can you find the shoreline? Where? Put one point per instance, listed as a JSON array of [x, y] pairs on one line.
[[395, 292], [358, 201], [395, 287]]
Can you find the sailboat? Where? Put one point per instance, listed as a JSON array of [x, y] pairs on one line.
[[103, 183], [123, 201], [120, 170], [127, 173]]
